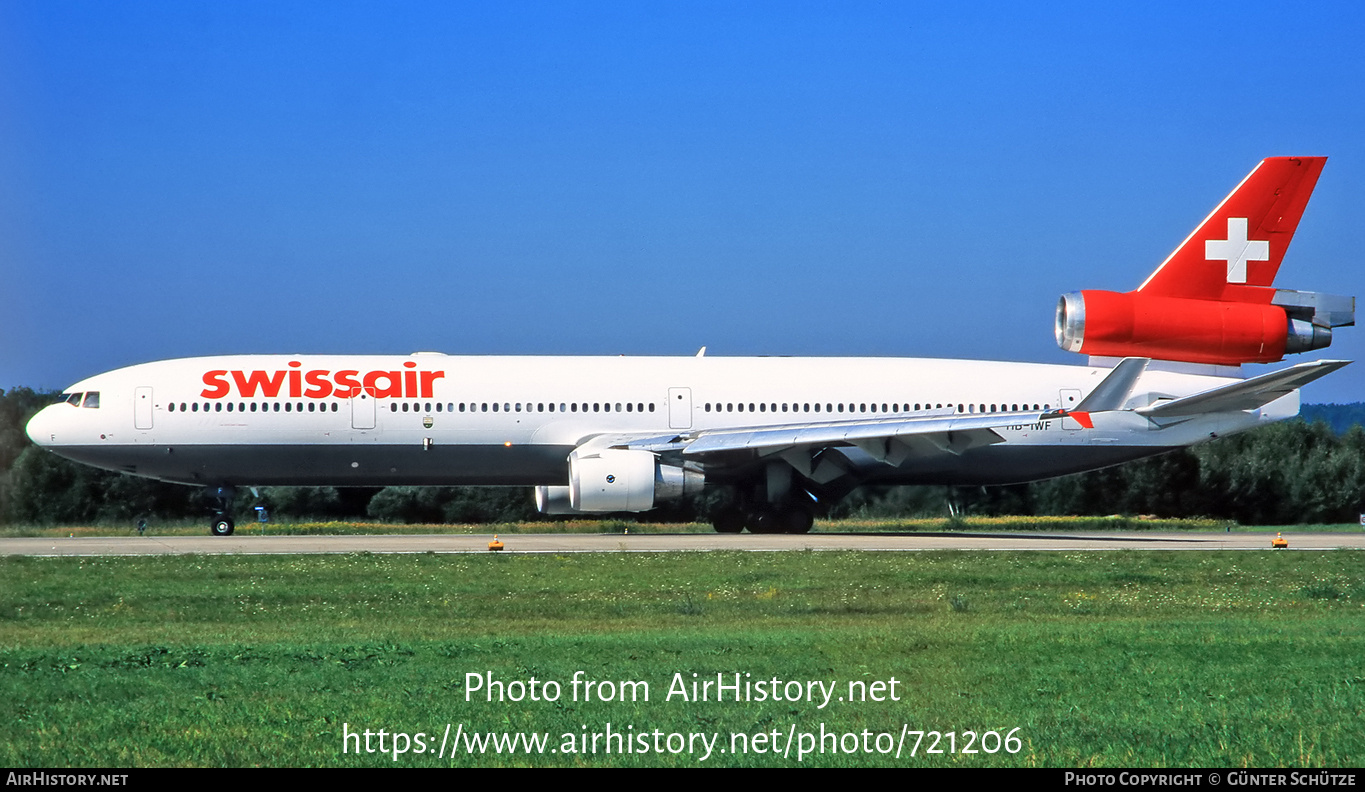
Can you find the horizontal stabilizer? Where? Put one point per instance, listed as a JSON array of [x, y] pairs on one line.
[[1245, 395]]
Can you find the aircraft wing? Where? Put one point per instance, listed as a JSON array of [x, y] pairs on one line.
[[1248, 394], [945, 431], [888, 438], [952, 433]]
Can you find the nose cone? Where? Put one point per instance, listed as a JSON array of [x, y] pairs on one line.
[[42, 428]]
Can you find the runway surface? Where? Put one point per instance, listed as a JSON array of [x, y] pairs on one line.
[[664, 543]]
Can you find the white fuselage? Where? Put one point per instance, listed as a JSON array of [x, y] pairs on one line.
[[438, 419]]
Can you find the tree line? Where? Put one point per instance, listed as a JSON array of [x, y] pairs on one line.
[[1290, 472]]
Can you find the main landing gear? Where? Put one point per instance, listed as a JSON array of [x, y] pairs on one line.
[[770, 505], [764, 519], [222, 524]]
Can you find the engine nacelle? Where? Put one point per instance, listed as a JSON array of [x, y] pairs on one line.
[[617, 480], [1133, 324]]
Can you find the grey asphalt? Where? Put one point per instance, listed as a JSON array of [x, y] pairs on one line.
[[663, 543]]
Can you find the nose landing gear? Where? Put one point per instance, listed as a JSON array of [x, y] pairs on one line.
[[222, 524]]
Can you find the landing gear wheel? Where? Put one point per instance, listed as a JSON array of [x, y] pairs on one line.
[[764, 521], [223, 526], [796, 521], [728, 521]]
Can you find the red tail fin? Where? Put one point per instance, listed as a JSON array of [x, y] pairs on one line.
[[1242, 243]]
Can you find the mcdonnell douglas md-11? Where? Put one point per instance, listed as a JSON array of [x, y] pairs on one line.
[[782, 435]]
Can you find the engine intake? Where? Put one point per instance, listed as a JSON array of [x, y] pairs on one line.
[[617, 480], [1133, 324]]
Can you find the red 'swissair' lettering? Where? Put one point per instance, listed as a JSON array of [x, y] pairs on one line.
[[322, 383], [248, 383]]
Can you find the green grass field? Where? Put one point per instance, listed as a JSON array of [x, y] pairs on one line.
[[1096, 658]]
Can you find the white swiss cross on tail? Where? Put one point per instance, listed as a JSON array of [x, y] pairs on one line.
[[1237, 250]]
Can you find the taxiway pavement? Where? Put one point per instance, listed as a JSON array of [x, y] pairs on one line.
[[664, 543]]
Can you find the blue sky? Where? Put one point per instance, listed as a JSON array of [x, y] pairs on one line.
[[779, 178]]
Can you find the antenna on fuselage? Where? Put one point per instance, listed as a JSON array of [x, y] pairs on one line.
[[701, 352]]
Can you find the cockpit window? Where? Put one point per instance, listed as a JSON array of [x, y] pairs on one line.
[[92, 399], [73, 399]]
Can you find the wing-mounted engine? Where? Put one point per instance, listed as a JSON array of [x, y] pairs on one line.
[[617, 480], [1136, 324]]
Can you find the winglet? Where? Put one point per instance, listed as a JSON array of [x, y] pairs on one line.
[[1113, 391], [1110, 394]]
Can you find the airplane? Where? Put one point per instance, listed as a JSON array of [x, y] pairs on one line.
[[783, 436]]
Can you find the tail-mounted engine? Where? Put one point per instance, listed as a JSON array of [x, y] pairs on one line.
[[1134, 324], [617, 480]]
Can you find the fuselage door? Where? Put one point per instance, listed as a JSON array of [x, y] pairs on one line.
[[680, 408], [362, 411], [1067, 399], [142, 408]]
